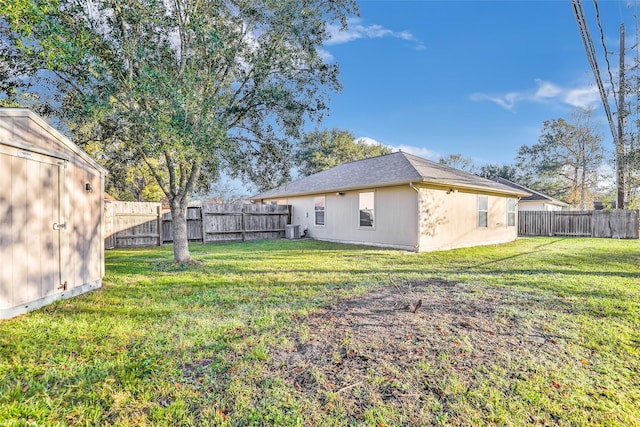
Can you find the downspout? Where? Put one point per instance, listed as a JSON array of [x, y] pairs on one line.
[[417, 246]]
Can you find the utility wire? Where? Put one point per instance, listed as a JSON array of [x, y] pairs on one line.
[[634, 67], [592, 59], [606, 54]]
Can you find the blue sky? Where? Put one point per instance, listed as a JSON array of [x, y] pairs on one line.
[[471, 77]]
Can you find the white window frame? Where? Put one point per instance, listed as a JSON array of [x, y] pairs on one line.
[[511, 214], [373, 211], [316, 210], [485, 211]]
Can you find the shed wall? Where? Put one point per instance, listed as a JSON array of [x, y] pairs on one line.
[[47, 186]]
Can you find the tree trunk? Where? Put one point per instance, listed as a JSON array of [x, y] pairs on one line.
[[179, 227]]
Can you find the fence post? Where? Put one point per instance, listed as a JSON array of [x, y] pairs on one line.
[[159, 221], [243, 224], [109, 225], [204, 235]]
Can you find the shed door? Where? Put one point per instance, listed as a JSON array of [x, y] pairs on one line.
[[32, 224]]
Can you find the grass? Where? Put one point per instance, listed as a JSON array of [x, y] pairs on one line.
[[167, 345]]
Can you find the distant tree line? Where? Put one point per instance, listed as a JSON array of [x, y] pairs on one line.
[[569, 162]]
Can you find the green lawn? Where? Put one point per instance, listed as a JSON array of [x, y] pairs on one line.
[[166, 345]]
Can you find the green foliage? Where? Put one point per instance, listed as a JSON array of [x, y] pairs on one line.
[[631, 160], [18, 78], [321, 150], [128, 354], [566, 160], [492, 170], [459, 161], [184, 88]]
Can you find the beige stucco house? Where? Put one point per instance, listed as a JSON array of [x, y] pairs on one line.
[[401, 201], [535, 201], [51, 229]]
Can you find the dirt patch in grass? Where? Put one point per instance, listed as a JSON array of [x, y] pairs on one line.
[[431, 366]]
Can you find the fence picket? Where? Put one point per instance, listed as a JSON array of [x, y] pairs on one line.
[[132, 224], [618, 224]]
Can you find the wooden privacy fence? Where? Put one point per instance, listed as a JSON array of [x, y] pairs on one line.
[[132, 224], [194, 225], [616, 224], [232, 222]]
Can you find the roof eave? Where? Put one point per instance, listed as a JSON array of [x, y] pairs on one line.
[[493, 190], [24, 112], [440, 183], [329, 190]]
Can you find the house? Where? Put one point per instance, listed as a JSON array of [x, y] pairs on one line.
[[401, 201], [535, 201], [51, 233]]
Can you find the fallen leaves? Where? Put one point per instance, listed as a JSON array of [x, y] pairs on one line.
[[221, 415]]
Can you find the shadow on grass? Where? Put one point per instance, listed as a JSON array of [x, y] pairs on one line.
[[537, 249]]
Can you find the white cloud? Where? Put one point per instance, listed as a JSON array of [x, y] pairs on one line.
[[506, 101], [582, 97], [417, 151], [368, 141], [357, 31], [325, 55], [545, 92], [547, 89]]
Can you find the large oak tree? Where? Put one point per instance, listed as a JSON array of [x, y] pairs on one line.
[[184, 87]]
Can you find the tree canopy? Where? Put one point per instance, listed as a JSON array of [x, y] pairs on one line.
[[459, 161], [566, 160], [324, 149], [493, 170], [186, 88]]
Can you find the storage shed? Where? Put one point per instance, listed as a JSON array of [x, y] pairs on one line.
[[51, 230]]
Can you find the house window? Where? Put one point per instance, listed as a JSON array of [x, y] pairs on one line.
[[319, 203], [366, 209], [511, 212], [483, 210]]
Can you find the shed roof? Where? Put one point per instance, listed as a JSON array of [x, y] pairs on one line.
[[383, 171], [66, 142], [534, 196]]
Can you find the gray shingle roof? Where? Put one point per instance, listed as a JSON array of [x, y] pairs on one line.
[[533, 195], [383, 171]]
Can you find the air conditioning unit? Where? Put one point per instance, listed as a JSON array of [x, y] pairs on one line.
[[292, 231]]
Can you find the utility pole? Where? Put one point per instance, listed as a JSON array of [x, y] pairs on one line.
[[621, 119]]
